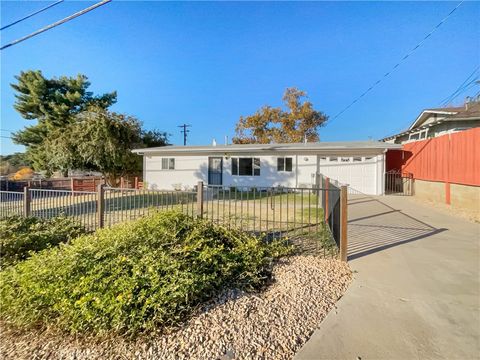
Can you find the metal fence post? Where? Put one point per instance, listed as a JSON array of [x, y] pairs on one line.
[[327, 210], [318, 186], [343, 223], [100, 205], [200, 199], [26, 201]]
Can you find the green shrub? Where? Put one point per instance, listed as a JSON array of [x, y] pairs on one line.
[[20, 236], [134, 276]]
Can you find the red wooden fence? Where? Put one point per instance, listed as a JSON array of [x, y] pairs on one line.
[[451, 158], [70, 184]]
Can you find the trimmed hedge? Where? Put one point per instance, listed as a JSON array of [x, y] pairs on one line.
[[135, 276], [20, 236]]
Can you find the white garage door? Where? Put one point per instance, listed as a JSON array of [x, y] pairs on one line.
[[363, 174]]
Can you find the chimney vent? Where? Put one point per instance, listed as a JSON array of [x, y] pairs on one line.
[[468, 100]]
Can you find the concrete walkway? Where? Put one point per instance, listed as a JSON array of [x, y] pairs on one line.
[[416, 293]]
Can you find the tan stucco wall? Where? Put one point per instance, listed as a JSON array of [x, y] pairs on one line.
[[429, 190], [463, 198]]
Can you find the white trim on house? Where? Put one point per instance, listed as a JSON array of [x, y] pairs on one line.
[[365, 173], [426, 114], [437, 122], [294, 148]]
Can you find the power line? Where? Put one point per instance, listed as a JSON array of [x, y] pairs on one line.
[[399, 63], [462, 86], [32, 14], [185, 131], [60, 22]]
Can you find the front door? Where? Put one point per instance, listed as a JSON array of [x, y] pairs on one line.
[[215, 166]]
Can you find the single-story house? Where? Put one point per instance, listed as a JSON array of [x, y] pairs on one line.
[[437, 122], [360, 164]]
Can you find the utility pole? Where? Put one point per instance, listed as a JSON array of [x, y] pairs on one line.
[[185, 131]]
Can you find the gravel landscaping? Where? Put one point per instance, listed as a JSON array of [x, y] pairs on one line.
[[272, 324]]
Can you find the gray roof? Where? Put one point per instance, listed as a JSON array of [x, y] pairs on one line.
[[471, 111], [341, 146]]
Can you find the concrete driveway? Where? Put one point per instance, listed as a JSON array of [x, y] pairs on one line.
[[416, 293]]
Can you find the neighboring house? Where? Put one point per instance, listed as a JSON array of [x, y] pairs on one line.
[[436, 122], [358, 164]]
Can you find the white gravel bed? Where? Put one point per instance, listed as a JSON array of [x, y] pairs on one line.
[[272, 324]]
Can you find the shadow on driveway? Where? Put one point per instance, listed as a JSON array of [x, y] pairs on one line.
[[375, 226]]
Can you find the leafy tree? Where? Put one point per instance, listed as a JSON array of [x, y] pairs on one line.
[[6, 168], [16, 159], [13, 162], [53, 103], [154, 138], [102, 141], [23, 173], [271, 124]]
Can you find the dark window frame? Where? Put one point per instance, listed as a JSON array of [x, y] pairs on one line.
[[284, 164], [239, 169]]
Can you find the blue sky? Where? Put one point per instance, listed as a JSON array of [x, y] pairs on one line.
[[208, 63]]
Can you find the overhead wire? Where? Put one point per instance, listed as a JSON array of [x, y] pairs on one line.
[[398, 63], [462, 87], [32, 14], [57, 23]]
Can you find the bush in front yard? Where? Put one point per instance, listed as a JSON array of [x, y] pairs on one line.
[[20, 236], [134, 276]]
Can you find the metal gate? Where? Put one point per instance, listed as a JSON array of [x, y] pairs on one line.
[[398, 183]]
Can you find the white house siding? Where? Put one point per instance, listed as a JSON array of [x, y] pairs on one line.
[[269, 176], [365, 176], [307, 167], [189, 170]]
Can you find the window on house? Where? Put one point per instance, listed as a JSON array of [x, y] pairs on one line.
[[168, 163], [414, 136], [345, 159], [284, 164], [333, 158], [246, 166], [357, 159], [256, 166]]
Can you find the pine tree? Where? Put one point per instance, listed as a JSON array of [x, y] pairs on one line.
[[53, 103]]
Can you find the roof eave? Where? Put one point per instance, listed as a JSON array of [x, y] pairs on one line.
[[299, 150], [438, 122], [424, 112]]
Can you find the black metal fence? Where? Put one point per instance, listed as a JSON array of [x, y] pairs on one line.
[[121, 205], [81, 205], [398, 183], [295, 214], [11, 203], [308, 217]]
